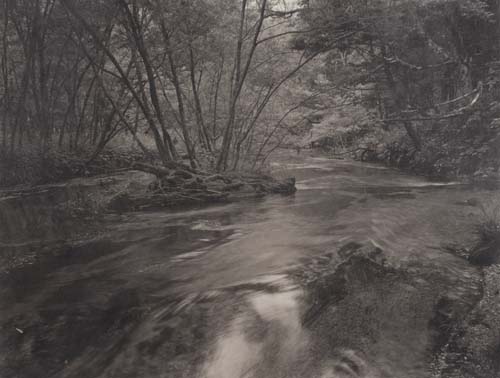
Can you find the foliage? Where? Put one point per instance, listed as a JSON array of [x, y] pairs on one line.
[[423, 60], [487, 250], [27, 167], [489, 228], [215, 81], [194, 79]]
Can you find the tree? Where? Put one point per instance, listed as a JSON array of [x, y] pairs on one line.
[[424, 61], [197, 79]]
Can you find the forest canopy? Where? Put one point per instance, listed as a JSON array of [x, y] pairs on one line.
[[215, 82], [196, 78]]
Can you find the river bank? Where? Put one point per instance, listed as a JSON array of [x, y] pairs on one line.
[[465, 149], [27, 168], [172, 186], [44, 207], [473, 340], [472, 343], [477, 165], [468, 166]]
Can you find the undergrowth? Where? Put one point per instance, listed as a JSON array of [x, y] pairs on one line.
[[33, 168], [487, 250]]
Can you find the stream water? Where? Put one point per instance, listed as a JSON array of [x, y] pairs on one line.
[[342, 279]]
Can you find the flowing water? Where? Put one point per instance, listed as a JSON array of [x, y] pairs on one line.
[[342, 279]]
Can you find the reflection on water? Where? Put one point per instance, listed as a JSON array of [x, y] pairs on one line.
[[340, 280], [240, 351]]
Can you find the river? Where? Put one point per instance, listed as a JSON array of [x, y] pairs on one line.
[[342, 279]]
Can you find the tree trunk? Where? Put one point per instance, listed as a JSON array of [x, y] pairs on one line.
[[199, 112], [163, 150]]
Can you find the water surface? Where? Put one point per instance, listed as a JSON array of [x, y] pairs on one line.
[[258, 288]]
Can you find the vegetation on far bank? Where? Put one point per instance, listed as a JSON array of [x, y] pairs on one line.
[[415, 84], [33, 168]]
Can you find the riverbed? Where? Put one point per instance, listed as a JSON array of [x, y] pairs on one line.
[[345, 278]]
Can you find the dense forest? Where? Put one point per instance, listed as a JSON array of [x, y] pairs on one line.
[[426, 72], [215, 84]]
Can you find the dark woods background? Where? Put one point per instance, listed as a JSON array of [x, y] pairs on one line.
[[220, 84]]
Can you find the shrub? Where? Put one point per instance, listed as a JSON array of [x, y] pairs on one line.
[[487, 250]]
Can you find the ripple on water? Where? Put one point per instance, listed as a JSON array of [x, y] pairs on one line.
[[152, 302]]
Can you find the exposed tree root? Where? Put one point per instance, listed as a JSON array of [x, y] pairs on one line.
[[181, 185]]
